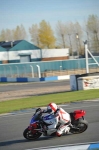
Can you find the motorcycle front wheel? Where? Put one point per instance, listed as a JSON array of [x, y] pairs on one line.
[[79, 126], [31, 136]]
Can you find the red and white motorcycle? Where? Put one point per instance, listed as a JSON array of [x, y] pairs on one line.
[[39, 123]]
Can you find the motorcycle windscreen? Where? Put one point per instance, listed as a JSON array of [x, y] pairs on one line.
[[33, 119]]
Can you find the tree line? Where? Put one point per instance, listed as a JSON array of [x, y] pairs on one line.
[[65, 35]]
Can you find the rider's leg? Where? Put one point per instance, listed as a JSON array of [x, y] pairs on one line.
[[61, 129], [53, 123]]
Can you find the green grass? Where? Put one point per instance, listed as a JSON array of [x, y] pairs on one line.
[[39, 101]]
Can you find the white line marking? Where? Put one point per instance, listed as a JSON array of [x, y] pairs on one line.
[[58, 146]]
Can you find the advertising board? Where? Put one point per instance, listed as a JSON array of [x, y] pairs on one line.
[[89, 82]]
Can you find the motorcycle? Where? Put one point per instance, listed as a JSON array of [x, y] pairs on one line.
[[39, 125]]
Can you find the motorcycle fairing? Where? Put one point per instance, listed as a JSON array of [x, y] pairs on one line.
[[48, 117], [78, 114], [32, 120]]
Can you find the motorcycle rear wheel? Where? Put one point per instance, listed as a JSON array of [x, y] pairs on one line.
[[80, 126], [30, 136]]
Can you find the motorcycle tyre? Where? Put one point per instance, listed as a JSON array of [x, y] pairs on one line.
[[80, 121], [34, 137]]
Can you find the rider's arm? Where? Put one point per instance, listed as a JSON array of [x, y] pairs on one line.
[[44, 111], [41, 110]]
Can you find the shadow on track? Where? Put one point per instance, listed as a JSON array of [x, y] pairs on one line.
[[7, 143]]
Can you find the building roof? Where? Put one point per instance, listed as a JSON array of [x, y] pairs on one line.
[[9, 44], [24, 45], [18, 45], [1, 42], [2, 49]]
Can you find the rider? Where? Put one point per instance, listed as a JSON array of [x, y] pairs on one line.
[[61, 116]]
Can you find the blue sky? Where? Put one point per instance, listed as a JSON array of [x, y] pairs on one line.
[[28, 12]]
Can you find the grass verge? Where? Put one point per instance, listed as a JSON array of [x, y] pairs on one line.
[[39, 101]]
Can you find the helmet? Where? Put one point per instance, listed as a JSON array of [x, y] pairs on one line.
[[51, 108]]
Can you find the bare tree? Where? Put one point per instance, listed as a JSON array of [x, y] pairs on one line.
[[2, 35], [78, 37], [61, 34], [23, 32], [69, 35], [34, 33], [9, 35], [93, 29], [19, 33]]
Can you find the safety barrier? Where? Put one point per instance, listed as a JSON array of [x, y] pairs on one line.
[[26, 79]]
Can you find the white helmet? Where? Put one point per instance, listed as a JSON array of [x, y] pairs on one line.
[[52, 107]]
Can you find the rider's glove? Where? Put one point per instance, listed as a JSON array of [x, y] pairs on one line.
[[38, 109]]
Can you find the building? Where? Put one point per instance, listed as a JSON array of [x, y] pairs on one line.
[[21, 51], [3, 54]]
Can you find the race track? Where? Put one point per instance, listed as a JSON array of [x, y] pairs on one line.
[[11, 91], [12, 126], [33, 85]]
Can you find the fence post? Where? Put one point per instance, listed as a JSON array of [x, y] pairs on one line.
[[10, 70], [60, 69], [39, 73], [24, 71], [17, 71], [32, 71], [4, 71]]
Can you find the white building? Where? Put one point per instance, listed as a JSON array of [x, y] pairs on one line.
[[23, 51]]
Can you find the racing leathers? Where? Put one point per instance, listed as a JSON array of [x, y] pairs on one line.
[[62, 118]]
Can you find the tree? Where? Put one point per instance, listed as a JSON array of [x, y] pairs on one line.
[[93, 29], [2, 35], [19, 33], [66, 36], [46, 36], [34, 33], [16, 34], [93, 24], [23, 32], [9, 35], [78, 37], [6, 35], [61, 34]]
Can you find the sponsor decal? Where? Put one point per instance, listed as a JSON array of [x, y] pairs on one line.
[[91, 83]]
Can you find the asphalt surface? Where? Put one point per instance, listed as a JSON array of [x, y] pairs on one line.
[[33, 85], [12, 127], [11, 91]]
